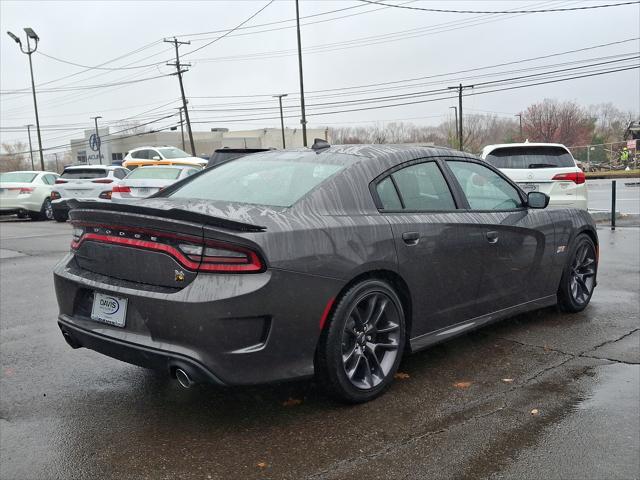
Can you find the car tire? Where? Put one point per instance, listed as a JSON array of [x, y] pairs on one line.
[[45, 213], [579, 276], [60, 216], [361, 347]]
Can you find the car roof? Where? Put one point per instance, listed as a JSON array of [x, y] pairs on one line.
[[108, 167], [179, 167], [491, 148]]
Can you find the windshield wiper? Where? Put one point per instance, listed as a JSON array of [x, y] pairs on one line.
[[541, 165]]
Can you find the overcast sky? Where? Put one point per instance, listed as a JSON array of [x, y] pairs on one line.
[[369, 45]]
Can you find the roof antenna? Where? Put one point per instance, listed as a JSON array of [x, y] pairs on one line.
[[319, 144]]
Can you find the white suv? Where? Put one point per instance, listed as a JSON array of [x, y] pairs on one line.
[[87, 182], [544, 167], [151, 154]]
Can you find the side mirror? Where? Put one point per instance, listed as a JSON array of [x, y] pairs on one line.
[[537, 200], [155, 158]]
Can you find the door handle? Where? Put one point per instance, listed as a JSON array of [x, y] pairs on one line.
[[411, 238], [492, 237]]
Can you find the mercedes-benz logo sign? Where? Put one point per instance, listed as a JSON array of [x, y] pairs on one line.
[[94, 142]]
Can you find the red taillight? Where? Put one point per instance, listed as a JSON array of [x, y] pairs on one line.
[[59, 180], [221, 257], [575, 177], [211, 257], [121, 189], [102, 180], [54, 195], [25, 190]]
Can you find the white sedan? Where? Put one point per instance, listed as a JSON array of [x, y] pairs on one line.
[[145, 181], [27, 193]]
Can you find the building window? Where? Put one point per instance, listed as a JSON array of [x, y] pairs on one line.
[[82, 156], [116, 156]]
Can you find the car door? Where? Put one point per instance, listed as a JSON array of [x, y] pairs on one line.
[[437, 246], [520, 240]]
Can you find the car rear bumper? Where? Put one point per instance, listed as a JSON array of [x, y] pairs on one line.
[[142, 356], [14, 205], [59, 205], [225, 328]]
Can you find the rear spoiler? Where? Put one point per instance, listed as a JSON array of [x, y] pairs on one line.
[[172, 213]]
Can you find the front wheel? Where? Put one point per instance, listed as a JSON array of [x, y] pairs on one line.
[[361, 348], [579, 276]]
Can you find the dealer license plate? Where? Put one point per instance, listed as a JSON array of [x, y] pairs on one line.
[[109, 309], [529, 187]]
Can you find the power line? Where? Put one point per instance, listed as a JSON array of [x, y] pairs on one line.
[[546, 10], [230, 31]]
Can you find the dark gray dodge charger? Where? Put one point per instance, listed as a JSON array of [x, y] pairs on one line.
[[332, 261]]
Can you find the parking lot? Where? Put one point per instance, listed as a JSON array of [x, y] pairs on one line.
[[537, 396]]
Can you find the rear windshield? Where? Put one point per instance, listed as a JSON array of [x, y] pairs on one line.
[[276, 182], [21, 177], [157, 173], [84, 173], [530, 157]]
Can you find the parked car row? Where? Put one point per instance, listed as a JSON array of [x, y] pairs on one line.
[[544, 167]]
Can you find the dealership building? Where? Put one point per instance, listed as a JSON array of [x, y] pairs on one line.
[[115, 147]]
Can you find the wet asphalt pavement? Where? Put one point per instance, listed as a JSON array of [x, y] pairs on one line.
[[461, 410]]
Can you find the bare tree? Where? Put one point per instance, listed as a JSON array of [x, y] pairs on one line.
[[14, 157], [558, 122]]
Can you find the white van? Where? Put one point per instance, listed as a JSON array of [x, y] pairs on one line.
[[545, 167]]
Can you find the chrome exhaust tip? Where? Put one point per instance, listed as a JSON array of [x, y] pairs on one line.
[[183, 378]]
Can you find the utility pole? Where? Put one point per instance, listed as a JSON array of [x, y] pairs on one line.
[[33, 36], [455, 111], [98, 141], [279, 97], [460, 88], [33, 167], [182, 128], [179, 71], [57, 167], [519, 115], [303, 121]]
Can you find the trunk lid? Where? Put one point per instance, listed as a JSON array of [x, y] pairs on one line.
[[154, 245]]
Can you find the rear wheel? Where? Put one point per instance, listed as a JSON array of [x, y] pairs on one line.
[[579, 276], [361, 348]]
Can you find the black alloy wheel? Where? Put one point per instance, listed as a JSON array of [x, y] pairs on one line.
[[360, 350], [579, 278]]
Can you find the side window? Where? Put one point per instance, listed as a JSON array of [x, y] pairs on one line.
[[190, 172], [422, 187], [153, 154], [484, 188], [46, 179], [142, 154], [388, 195], [119, 173]]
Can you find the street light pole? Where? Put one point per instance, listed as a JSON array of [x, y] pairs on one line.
[[33, 36], [33, 167], [455, 110], [279, 97], [303, 121], [460, 88], [519, 115], [98, 141], [182, 128]]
